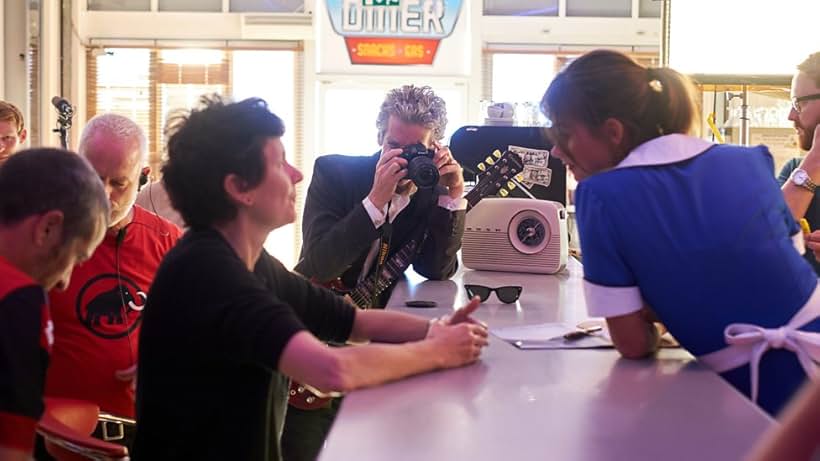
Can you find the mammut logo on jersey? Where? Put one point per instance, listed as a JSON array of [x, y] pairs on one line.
[[109, 305]]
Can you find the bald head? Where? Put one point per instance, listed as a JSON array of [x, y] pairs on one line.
[[116, 148]]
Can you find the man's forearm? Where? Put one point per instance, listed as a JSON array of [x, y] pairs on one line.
[[388, 326], [797, 199], [344, 369], [380, 363]]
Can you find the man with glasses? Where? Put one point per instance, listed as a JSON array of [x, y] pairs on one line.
[[800, 176]]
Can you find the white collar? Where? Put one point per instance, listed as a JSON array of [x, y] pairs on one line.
[[664, 150], [398, 203]]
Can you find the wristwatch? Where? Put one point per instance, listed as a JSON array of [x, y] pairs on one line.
[[800, 178]]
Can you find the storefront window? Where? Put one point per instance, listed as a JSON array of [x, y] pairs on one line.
[[270, 75], [600, 8], [148, 85], [267, 6], [649, 8], [767, 116], [121, 84], [119, 5], [521, 79], [349, 116], [521, 7], [191, 5]]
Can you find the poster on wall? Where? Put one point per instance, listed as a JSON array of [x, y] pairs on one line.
[[393, 32]]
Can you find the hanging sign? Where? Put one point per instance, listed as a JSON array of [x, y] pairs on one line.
[[393, 32]]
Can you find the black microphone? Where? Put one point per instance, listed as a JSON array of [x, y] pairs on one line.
[[62, 104]]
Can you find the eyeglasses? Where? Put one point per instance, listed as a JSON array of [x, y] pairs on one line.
[[796, 101], [506, 295]]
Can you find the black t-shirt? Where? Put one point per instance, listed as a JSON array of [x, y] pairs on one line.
[[812, 213], [25, 342], [211, 339]]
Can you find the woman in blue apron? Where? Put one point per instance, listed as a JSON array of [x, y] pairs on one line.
[[685, 232]]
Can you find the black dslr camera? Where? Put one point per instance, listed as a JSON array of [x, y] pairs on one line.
[[420, 167]]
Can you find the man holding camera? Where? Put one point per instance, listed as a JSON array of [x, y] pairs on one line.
[[377, 215]]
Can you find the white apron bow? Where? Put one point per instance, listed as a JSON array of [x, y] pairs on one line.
[[748, 342]]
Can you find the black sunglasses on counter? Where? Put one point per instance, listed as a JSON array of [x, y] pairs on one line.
[[506, 295]]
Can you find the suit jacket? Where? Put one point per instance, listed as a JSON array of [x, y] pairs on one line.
[[338, 233]]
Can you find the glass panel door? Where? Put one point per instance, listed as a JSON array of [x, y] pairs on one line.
[[270, 75]]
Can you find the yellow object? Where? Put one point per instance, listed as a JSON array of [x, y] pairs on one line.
[[804, 225], [711, 121]]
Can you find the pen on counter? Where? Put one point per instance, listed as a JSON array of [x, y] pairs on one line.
[[582, 332]]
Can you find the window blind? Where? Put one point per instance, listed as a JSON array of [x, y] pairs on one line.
[[148, 84]]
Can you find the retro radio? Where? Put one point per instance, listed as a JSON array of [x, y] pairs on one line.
[[516, 235]]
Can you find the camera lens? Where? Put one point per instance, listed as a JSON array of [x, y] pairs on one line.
[[423, 172], [420, 167]]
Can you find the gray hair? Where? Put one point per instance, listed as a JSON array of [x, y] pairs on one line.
[[117, 125], [418, 105]]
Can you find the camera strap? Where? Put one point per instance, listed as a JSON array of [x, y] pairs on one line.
[[386, 232], [388, 269]]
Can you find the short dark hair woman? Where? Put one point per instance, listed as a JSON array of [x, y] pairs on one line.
[[226, 324]]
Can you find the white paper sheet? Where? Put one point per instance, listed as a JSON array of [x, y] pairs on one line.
[[549, 336]]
